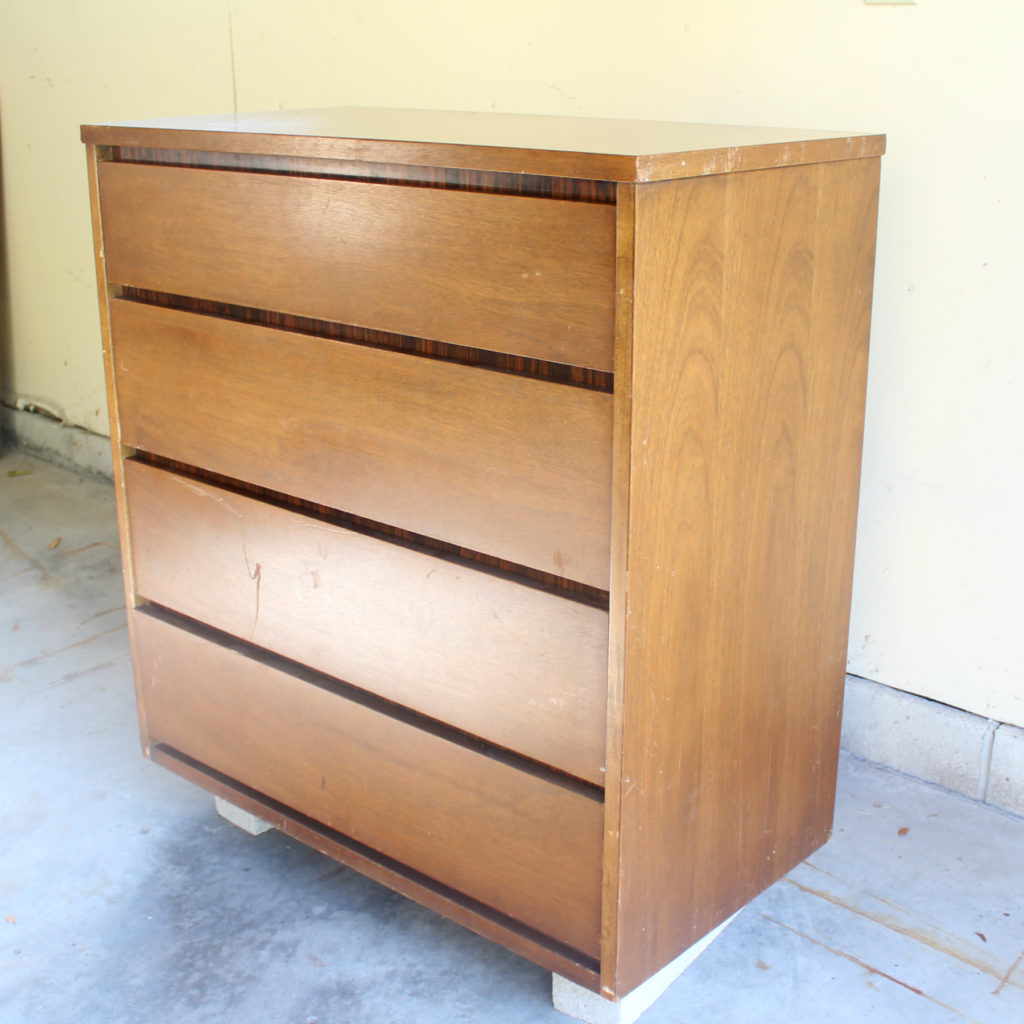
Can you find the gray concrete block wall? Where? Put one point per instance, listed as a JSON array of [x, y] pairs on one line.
[[1006, 773], [975, 756]]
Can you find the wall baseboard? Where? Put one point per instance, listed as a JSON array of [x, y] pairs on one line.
[[978, 757], [50, 439]]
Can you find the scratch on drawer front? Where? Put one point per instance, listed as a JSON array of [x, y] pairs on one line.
[[256, 575], [208, 495]]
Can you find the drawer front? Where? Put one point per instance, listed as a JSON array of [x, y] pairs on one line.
[[510, 466], [519, 667], [524, 845], [534, 277]]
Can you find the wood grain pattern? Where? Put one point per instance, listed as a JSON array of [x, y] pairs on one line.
[[573, 147], [748, 382], [522, 845], [514, 467], [508, 273], [511, 664]]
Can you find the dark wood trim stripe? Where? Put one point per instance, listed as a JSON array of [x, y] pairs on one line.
[[581, 190]]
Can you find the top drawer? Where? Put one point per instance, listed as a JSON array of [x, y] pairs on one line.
[[528, 276]]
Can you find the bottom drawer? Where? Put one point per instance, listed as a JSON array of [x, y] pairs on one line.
[[521, 843]]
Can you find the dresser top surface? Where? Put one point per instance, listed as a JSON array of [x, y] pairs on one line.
[[583, 147]]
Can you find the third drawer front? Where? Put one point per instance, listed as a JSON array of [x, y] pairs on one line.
[[522, 668], [505, 465], [525, 845]]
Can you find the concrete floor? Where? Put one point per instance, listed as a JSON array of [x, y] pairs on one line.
[[125, 898]]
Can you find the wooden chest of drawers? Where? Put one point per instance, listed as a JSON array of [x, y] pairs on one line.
[[487, 489]]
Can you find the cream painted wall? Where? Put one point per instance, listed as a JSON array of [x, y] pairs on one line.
[[938, 598], [62, 63]]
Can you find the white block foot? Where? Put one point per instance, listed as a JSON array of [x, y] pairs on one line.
[[576, 1001], [243, 819]]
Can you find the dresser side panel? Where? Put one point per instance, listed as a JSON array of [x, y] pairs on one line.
[[749, 365]]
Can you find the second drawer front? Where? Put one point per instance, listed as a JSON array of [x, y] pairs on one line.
[[519, 667], [509, 466], [534, 277], [523, 845]]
